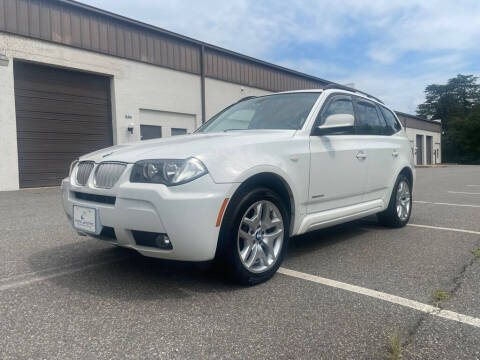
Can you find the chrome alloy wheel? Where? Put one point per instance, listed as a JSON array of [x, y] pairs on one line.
[[404, 200], [260, 236]]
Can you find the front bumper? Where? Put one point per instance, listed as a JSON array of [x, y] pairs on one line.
[[187, 213]]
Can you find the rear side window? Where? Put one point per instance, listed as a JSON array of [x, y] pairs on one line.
[[368, 120], [392, 123]]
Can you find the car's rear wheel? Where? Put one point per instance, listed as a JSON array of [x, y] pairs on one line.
[[400, 205], [255, 236]]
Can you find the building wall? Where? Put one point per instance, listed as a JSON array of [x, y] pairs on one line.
[[436, 144], [219, 94], [134, 86]]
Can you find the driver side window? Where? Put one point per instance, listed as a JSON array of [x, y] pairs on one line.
[[338, 104]]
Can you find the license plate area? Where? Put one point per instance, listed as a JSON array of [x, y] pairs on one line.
[[86, 219]]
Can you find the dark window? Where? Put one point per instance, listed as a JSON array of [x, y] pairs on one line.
[[368, 121], [339, 104], [392, 123], [150, 132], [178, 131]]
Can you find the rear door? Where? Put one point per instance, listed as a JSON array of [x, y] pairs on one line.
[[381, 147], [338, 170]]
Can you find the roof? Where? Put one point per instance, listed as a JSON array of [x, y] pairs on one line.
[[186, 38]]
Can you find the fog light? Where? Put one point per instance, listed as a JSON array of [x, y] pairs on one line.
[[163, 242]]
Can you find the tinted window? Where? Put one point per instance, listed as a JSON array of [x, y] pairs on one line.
[[281, 111], [339, 104], [178, 131], [150, 132], [368, 120], [392, 123]]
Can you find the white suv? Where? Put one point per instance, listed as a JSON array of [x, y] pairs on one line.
[[262, 170]]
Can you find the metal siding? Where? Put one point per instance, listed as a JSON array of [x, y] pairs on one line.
[[150, 49], [120, 37], [103, 36], [414, 123], [11, 15], [45, 17], [73, 25], [22, 17], [2, 14], [128, 45], [85, 33], [76, 29]]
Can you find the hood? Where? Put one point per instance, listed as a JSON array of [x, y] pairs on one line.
[[182, 147]]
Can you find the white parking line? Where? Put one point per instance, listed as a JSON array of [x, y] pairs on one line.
[[464, 192], [445, 228], [473, 185], [37, 278], [446, 204], [429, 309]]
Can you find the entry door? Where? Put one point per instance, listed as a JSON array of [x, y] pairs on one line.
[[337, 172], [429, 150], [419, 143], [156, 124]]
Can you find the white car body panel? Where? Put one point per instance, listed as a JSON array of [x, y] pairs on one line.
[[327, 182]]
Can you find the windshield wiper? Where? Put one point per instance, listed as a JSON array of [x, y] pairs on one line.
[[232, 130]]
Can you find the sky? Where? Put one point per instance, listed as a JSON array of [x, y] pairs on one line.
[[391, 49]]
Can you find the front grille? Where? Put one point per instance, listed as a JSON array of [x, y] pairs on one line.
[[83, 171], [107, 174], [96, 198]]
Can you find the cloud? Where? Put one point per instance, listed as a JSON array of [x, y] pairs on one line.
[[390, 48]]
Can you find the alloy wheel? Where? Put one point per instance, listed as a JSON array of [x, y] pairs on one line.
[[260, 236]]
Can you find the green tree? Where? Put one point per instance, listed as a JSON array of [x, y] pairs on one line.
[[462, 141], [457, 104]]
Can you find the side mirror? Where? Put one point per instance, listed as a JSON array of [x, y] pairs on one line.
[[336, 123]]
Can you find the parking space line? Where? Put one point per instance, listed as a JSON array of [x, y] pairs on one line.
[[473, 185], [446, 204], [412, 304], [38, 278], [464, 192], [446, 229]]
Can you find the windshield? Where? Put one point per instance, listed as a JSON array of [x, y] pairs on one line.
[[280, 111]]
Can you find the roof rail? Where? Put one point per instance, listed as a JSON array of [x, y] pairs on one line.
[[348, 88]]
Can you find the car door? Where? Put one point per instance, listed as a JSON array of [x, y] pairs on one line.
[[338, 169], [375, 137]]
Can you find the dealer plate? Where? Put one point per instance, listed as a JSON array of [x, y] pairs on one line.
[[85, 218]]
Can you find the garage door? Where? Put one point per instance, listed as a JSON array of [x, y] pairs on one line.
[[61, 115]]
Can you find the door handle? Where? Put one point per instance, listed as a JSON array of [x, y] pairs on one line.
[[361, 155], [395, 153]]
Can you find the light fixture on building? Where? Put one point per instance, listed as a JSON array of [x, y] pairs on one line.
[[4, 60], [130, 128]]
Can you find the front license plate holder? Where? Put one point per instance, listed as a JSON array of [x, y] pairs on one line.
[[86, 219]]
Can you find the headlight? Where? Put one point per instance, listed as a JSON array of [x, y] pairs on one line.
[[72, 166], [168, 172]]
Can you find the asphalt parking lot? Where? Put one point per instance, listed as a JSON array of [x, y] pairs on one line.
[[342, 292]]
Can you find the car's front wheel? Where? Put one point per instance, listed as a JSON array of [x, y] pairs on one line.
[[400, 205], [255, 236]]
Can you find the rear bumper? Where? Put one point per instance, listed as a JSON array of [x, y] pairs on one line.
[[187, 213]]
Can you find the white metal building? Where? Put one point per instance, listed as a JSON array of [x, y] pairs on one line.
[[74, 78]]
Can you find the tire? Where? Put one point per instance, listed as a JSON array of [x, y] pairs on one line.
[[400, 204], [252, 258]]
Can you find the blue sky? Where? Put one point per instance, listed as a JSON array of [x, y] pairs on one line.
[[392, 49]]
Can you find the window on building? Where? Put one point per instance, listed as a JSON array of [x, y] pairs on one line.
[[178, 131], [150, 132]]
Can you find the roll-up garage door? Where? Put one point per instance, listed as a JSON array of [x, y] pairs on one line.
[[61, 114]]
